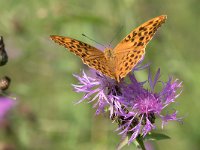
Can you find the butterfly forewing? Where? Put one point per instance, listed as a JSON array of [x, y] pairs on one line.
[[140, 36], [132, 48], [91, 56]]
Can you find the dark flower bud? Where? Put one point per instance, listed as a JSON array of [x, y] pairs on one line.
[[3, 54], [4, 83]]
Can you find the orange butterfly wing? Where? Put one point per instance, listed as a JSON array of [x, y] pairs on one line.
[[91, 56], [124, 57], [131, 49]]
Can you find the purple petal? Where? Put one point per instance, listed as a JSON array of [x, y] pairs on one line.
[[141, 67], [148, 127], [150, 80], [152, 83], [136, 131], [170, 117], [157, 76]]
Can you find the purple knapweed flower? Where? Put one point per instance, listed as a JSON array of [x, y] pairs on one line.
[[100, 88], [130, 103], [143, 106], [6, 104]]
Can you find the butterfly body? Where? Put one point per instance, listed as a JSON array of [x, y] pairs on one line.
[[111, 60], [118, 62], [108, 52]]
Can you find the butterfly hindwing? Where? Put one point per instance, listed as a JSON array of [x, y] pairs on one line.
[[127, 62]]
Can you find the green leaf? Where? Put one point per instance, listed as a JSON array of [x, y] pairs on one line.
[[140, 141], [156, 136]]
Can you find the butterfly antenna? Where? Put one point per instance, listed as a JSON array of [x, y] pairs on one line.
[[93, 40], [116, 35]]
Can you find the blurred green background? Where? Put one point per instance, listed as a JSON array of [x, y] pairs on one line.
[[41, 71]]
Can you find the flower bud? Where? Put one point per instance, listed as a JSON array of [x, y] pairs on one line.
[[4, 83], [3, 54]]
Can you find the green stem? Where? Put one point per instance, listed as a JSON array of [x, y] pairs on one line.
[[140, 141]]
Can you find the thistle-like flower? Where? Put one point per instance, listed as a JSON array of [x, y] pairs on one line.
[[132, 104], [6, 104], [143, 106]]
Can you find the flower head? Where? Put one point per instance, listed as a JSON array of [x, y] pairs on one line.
[[103, 89], [133, 106], [144, 105]]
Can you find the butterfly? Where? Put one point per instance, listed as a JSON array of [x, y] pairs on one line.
[[118, 62]]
